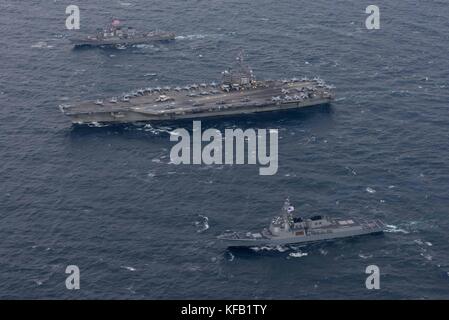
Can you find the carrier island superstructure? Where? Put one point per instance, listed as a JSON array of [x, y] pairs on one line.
[[238, 93]]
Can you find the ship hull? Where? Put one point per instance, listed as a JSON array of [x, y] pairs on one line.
[[264, 242], [130, 116], [198, 102], [121, 42]]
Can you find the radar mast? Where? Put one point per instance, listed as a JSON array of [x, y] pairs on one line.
[[240, 76]]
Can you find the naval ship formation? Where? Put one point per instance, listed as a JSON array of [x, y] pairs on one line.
[[238, 93], [117, 35], [286, 229]]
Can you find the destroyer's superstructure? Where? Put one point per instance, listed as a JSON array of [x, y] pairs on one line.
[[239, 93], [118, 35], [285, 229]]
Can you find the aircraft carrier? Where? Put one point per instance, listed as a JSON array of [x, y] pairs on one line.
[[239, 93]]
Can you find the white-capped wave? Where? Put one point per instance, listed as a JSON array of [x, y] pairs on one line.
[[370, 190], [281, 248], [144, 46], [392, 228], [426, 256], [203, 224], [128, 268], [38, 282], [97, 124], [365, 256], [278, 248], [41, 45], [298, 254], [190, 37], [323, 252], [263, 248]]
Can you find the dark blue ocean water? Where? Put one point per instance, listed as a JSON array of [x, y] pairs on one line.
[[108, 201]]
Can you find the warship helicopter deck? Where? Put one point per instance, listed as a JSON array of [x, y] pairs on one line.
[[285, 229], [239, 93]]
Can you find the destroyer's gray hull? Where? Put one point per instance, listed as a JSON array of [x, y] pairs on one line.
[[299, 240], [122, 41]]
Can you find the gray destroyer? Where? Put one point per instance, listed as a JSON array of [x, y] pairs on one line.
[[116, 35], [285, 229], [239, 93]]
